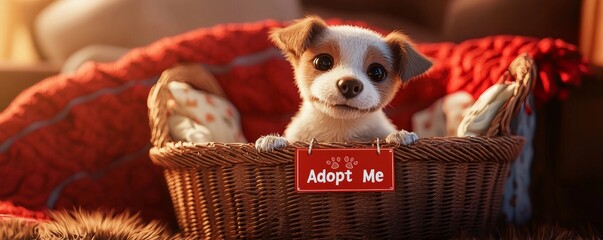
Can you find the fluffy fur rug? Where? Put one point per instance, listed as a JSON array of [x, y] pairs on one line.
[[84, 226], [536, 232], [99, 226]]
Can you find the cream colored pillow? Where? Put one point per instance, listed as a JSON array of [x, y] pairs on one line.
[[197, 116], [480, 115]]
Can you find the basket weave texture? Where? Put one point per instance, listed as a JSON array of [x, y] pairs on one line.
[[443, 184]]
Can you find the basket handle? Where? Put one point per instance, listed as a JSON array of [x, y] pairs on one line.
[[194, 75], [522, 71]]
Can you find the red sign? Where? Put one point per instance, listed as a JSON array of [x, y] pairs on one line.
[[344, 170]]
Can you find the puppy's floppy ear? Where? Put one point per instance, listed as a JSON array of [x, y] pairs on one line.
[[294, 39], [407, 61]]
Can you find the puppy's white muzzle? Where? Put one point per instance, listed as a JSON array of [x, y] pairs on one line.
[[345, 93]]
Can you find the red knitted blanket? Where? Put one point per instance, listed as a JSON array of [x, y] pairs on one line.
[[83, 139]]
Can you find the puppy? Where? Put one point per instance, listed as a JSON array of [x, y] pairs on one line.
[[345, 76]]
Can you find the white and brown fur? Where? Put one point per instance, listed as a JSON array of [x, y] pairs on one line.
[[325, 114], [84, 225]]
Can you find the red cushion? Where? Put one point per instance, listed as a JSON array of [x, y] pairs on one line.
[[9, 210], [83, 139]]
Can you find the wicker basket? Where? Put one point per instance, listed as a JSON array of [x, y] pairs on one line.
[[443, 184]]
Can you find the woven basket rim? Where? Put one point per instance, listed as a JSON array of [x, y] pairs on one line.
[[456, 150]]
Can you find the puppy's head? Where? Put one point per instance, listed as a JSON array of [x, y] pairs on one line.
[[344, 71]]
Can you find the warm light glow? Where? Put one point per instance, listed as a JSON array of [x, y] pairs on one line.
[[5, 29], [591, 34], [16, 24]]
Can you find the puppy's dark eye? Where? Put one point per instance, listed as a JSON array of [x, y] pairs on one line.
[[323, 62], [376, 72]]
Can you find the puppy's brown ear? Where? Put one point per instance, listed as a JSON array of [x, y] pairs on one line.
[[407, 61], [294, 39]]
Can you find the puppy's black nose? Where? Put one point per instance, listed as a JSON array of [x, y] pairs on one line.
[[349, 87]]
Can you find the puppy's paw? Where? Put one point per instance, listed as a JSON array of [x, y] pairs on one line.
[[269, 143], [402, 137]]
